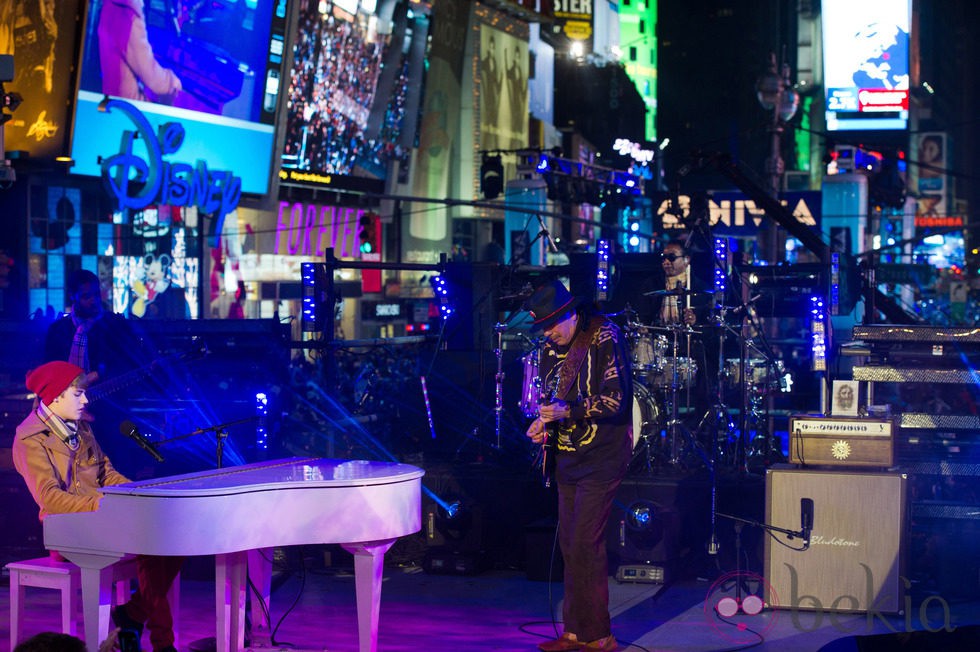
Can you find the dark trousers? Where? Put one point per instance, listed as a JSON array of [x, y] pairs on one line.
[[149, 604], [583, 510]]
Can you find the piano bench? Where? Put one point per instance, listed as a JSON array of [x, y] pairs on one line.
[[48, 573]]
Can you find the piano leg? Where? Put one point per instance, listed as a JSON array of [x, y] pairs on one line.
[[368, 571], [229, 589], [96, 571]]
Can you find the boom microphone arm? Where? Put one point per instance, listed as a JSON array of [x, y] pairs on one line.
[[813, 242]]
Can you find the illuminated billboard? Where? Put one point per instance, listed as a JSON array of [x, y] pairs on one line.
[[348, 96], [866, 64], [213, 67]]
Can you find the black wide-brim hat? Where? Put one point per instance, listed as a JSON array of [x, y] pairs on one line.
[[549, 303]]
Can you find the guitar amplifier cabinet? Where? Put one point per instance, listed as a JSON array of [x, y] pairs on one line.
[[856, 558], [842, 441]]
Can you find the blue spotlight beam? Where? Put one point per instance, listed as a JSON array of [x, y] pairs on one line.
[[348, 420]]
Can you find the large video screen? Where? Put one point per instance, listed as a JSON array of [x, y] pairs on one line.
[[212, 66], [348, 92], [866, 64]]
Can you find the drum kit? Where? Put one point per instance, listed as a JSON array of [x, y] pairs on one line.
[[666, 361], [665, 371]]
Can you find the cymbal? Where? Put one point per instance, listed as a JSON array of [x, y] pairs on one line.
[[674, 293]]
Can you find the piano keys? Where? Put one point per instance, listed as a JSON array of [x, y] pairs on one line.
[[362, 505], [209, 74]]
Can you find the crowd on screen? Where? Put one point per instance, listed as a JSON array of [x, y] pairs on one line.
[[335, 74]]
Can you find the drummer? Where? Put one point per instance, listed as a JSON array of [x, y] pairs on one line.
[[678, 306], [686, 300]]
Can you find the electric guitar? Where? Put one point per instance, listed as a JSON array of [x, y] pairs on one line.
[[104, 388], [548, 451]]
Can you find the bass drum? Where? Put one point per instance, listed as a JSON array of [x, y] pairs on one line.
[[531, 389], [647, 415]]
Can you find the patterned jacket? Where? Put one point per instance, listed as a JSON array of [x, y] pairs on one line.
[[595, 441]]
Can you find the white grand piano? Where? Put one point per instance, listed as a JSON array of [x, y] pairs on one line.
[[362, 505]]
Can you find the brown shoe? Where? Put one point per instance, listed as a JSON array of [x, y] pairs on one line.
[[605, 644], [566, 642]]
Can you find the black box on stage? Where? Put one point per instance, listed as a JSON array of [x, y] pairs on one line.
[[447, 561], [857, 554], [542, 556]]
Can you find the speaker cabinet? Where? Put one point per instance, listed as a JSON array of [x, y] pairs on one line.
[[856, 559]]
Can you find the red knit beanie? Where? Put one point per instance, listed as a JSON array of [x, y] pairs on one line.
[[52, 378]]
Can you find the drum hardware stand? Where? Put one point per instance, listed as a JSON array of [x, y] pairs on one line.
[[717, 414], [674, 424], [754, 413]]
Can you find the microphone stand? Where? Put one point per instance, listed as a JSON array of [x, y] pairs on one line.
[[220, 434], [740, 523], [792, 534], [498, 351], [499, 328]]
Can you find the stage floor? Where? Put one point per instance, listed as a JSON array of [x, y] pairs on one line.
[[313, 609]]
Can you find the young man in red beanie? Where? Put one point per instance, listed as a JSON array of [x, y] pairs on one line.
[[65, 469]]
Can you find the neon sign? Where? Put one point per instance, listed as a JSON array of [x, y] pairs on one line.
[[138, 182]]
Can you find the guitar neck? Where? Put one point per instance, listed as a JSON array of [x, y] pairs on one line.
[[103, 389], [112, 385]]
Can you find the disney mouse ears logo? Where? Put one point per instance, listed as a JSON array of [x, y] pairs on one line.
[[137, 182]]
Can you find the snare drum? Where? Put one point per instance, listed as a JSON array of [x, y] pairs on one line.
[[648, 354], [531, 389], [687, 371], [647, 415]]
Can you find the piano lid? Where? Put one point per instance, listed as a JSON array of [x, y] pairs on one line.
[[292, 473]]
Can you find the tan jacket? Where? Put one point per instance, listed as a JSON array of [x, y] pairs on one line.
[[62, 480]]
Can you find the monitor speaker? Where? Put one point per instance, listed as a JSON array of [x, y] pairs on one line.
[[855, 561]]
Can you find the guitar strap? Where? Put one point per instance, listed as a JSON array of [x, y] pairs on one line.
[[575, 357]]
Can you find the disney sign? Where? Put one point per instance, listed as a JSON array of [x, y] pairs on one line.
[[137, 182]]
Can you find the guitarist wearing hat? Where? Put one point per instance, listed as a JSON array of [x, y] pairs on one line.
[[588, 412]]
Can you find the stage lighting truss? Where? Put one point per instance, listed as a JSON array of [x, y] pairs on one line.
[[580, 182], [835, 283], [441, 289], [308, 275], [818, 334], [261, 414], [602, 271], [721, 265], [491, 176]]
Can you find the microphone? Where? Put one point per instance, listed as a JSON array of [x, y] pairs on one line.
[[128, 429], [806, 520], [552, 247]]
